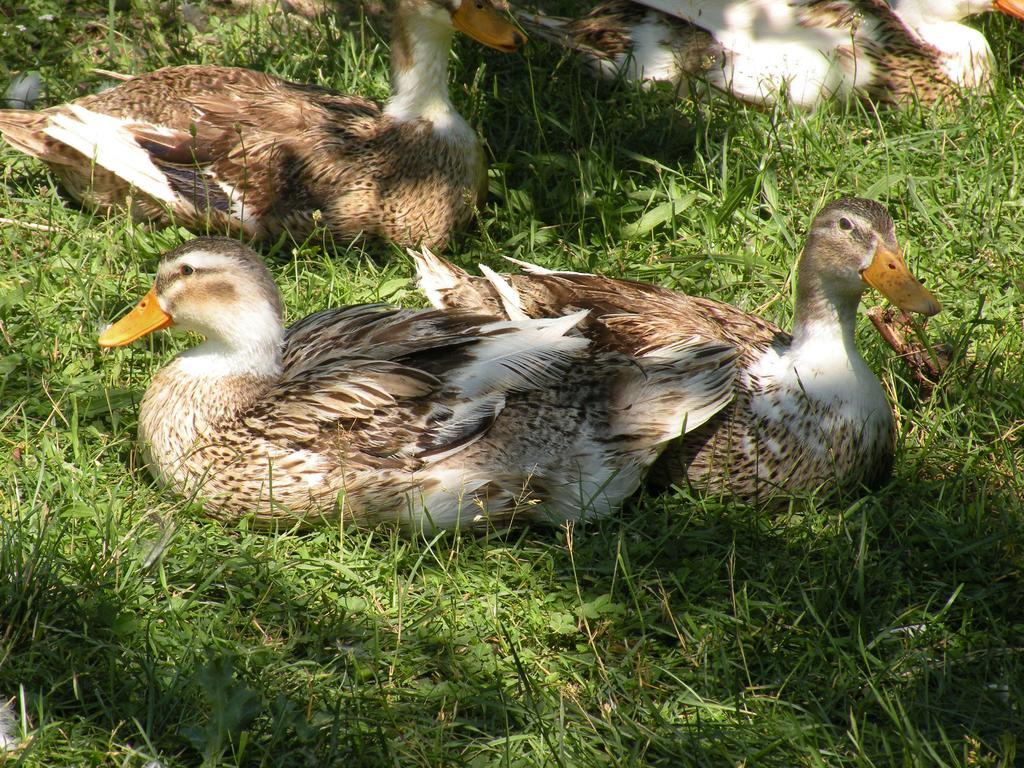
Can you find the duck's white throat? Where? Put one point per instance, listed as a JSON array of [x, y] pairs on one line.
[[214, 359], [249, 344], [419, 78]]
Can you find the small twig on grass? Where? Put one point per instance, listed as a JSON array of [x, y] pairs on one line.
[[926, 363], [111, 74], [26, 224]]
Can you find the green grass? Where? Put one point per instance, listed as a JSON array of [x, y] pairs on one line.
[[876, 631]]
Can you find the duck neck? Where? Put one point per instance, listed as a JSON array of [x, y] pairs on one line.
[[420, 46], [914, 14], [256, 358], [200, 390], [824, 319]]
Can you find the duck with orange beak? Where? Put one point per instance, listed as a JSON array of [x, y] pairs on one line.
[[433, 419], [807, 411], [233, 150]]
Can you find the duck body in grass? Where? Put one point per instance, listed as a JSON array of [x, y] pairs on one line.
[[810, 50], [226, 149], [432, 418], [807, 410]]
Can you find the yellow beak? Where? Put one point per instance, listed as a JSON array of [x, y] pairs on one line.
[[1013, 8], [144, 318], [481, 21], [889, 275]]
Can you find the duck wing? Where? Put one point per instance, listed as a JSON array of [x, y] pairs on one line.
[[408, 383], [637, 317], [210, 140], [630, 317]]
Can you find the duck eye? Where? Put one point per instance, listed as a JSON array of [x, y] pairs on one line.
[[186, 270], [845, 224]]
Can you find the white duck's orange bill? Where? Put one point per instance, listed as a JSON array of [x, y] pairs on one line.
[[1013, 8], [481, 21], [144, 318], [888, 274]]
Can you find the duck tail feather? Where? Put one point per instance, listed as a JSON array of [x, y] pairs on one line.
[[23, 130], [446, 286], [510, 300]]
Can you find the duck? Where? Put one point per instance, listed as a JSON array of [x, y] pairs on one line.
[[805, 52], [228, 150], [808, 415], [429, 419]]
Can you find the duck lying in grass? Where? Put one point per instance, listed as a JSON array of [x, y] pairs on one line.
[[913, 50], [433, 418], [230, 149], [807, 411]]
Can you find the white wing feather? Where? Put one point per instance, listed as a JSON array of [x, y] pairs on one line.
[[768, 49], [521, 355], [107, 142], [510, 301]]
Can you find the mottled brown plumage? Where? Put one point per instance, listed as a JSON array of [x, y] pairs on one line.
[[233, 150], [432, 418], [912, 51], [807, 410]]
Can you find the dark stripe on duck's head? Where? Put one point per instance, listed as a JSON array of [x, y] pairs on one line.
[[219, 268]]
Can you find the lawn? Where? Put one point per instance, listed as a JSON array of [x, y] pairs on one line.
[[884, 629]]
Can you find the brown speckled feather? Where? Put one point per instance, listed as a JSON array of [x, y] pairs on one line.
[[905, 67], [427, 417], [784, 442], [604, 35], [250, 153]]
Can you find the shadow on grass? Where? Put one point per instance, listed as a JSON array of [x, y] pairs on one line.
[[681, 627], [874, 630]]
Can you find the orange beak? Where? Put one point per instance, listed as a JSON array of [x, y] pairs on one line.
[[144, 318], [889, 275], [1013, 8], [481, 21]]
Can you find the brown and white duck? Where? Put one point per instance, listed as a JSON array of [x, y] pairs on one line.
[[811, 50], [227, 149], [808, 412], [432, 418]]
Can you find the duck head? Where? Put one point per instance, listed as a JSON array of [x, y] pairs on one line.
[[851, 247], [479, 19], [218, 288]]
